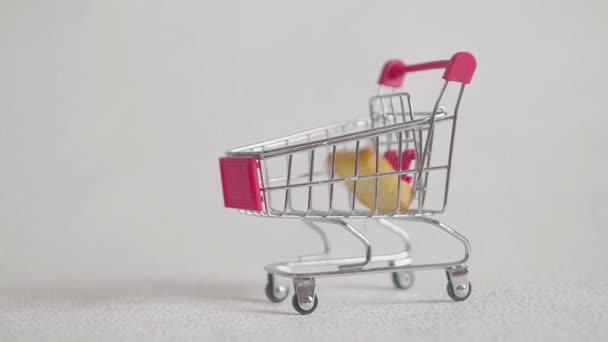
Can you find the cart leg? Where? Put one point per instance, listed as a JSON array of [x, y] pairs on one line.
[[402, 279], [364, 241], [326, 248], [449, 230], [459, 286], [405, 238], [304, 300]]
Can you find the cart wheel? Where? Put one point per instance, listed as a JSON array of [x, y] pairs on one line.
[[460, 296], [299, 309], [403, 280], [276, 293]]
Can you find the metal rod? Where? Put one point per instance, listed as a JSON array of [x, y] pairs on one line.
[[326, 248], [267, 197], [331, 185], [354, 199], [287, 188], [364, 241], [421, 123], [284, 269], [400, 167], [350, 179], [450, 153], [377, 173], [310, 172]]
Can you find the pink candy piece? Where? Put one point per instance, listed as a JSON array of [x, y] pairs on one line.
[[406, 160]]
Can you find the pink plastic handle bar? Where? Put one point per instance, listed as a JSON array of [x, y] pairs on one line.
[[460, 68]]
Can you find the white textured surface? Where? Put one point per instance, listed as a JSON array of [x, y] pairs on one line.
[[553, 310], [113, 114]]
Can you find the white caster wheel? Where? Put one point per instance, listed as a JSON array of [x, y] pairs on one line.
[[460, 293], [304, 300], [304, 310], [459, 286], [276, 292], [403, 280]]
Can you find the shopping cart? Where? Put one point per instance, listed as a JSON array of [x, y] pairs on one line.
[[299, 176]]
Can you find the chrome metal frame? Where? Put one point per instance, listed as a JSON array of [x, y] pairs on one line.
[[291, 269], [391, 124]]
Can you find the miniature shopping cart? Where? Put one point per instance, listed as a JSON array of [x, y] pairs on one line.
[[297, 177]]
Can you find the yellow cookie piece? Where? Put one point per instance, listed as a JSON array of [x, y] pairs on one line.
[[366, 189]]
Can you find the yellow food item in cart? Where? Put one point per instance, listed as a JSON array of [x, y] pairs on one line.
[[366, 189]]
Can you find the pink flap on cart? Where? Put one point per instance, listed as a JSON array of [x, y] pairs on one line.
[[240, 183]]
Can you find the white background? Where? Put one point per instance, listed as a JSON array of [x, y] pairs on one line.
[[113, 115]]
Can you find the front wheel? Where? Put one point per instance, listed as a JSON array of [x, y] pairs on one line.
[[459, 294], [299, 309]]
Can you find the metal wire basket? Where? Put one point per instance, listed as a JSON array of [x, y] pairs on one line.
[[377, 167]]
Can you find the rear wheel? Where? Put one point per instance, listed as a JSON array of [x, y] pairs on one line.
[[403, 280], [276, 293]]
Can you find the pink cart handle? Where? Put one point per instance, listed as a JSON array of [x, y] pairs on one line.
[[460, 68]]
